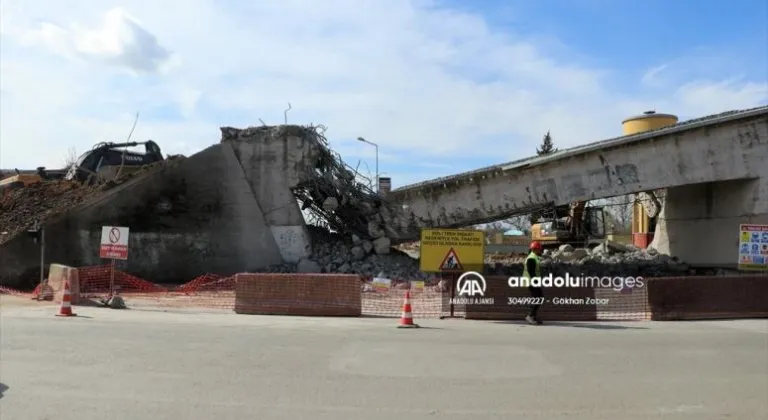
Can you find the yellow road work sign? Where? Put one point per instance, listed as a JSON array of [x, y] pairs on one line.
[[452, 250]]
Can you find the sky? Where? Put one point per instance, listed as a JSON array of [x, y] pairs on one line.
[[441, 86]]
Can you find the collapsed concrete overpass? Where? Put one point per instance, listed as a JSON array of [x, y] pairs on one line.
[[715, 170], [233, 206]]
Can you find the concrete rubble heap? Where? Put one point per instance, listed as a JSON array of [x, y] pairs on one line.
[[340, 198], [607, 259], [333, 253], [21, 208]]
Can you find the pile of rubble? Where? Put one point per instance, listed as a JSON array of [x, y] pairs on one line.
[[332, 253], [607, 259], [21, 208]]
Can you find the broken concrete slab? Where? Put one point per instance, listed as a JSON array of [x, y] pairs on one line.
[[374, 230], [357, 253], [308, 266], [330, 204], [382, 246]]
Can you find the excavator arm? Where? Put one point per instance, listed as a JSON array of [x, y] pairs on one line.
[[576, 217]]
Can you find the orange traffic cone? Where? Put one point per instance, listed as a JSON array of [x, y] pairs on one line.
[[66, 303], [406, 319]]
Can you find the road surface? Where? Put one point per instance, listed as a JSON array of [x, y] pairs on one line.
[[141, 364]]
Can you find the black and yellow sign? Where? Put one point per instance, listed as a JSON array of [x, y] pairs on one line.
[[452, 250]]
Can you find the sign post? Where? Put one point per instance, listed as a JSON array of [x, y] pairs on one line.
[[114, 246], [37, 233], [41, 295], [452, 251]]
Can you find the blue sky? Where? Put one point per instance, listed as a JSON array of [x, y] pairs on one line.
[[442, 87]]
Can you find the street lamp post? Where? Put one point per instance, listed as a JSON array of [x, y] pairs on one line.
[[377, 159]]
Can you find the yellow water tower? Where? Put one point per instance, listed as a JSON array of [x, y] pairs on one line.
[[650, 120], [643, 227]]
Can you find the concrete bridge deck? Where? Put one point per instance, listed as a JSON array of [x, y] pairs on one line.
[[715, 169]]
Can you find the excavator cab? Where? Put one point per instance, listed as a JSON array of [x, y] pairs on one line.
[[577, 225], [594, 223], [105, 155]]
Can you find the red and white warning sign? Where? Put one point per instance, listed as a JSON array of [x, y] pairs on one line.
[[114, 243], [451, 262]]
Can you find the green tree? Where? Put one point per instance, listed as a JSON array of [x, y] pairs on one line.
[[547, 147]]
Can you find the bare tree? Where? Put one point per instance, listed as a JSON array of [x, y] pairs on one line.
[[71, 157], [521, 222], [620, 209]]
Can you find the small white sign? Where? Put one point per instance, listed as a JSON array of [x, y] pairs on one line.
[[381, 284], [114, 243]]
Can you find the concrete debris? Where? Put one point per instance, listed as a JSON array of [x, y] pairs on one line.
[[116, 302], [357, 253], [332, 253], [382, 246], [607, 259], [306, 265], [375, 230], [20, 208], [331, 204]]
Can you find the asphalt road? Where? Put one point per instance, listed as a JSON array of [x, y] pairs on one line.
[[137, 364]]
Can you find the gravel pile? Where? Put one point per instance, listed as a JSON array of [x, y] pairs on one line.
[[351, 255], [20, 208], [337, 254], [604, 260]]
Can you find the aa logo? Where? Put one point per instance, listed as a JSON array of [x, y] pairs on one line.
[[471, 284]]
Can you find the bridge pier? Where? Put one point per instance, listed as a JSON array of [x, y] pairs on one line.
[[700, 223]]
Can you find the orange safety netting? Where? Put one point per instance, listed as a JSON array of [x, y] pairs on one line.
[[662, 298]]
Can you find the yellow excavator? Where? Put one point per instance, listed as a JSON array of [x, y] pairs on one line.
[[575, 224]]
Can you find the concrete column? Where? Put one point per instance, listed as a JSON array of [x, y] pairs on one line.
[[275, 160], [700, 223]]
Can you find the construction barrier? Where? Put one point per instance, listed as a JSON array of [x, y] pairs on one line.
[[693, 297], [298, 294], [59, 276]]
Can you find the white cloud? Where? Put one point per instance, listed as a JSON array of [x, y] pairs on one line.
[[439, 90], [119, 40], [650, 76]]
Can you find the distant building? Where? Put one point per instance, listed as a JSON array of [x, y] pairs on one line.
[[506, 237]]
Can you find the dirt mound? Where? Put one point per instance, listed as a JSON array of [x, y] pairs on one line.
[[20, 208]]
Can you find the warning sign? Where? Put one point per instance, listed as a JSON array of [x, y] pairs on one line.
[[114, 243], [753, 247], [451, 262], [452, 250]]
